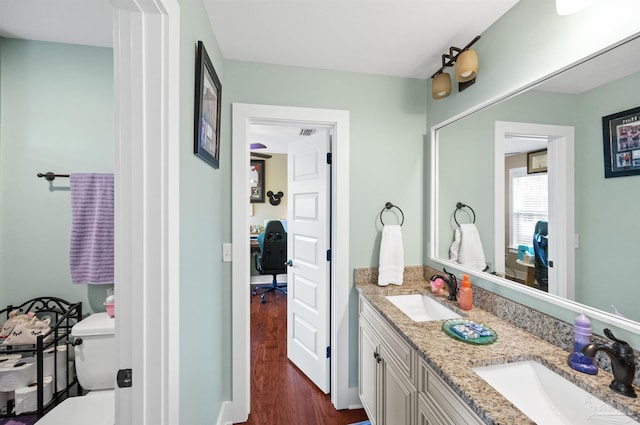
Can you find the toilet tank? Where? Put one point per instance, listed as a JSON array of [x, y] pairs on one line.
[[95, 354]]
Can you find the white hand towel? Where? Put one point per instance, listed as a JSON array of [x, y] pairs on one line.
[[391, 267], [471, 253]]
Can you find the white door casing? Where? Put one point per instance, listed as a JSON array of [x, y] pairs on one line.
[[147, 204], [342, 394], [307, 245], [561, 200]]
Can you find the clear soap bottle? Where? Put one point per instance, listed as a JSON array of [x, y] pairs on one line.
[[465, 294]]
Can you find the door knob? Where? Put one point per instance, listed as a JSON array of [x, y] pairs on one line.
[[289, 263]]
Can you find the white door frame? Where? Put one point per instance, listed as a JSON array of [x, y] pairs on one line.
[[342, 396], [561, 190], [147, 204]]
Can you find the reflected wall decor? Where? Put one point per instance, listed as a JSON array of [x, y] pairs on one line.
[[256, 180], [621, 140], [208, 101]]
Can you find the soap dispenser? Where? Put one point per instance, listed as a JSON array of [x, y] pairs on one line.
[[582, 337], [465, 294]]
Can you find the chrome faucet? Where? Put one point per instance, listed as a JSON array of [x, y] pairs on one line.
[[622, 363]]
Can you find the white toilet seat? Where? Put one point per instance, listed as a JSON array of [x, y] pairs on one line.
[[95, 408]]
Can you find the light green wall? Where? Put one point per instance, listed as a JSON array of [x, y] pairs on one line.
[[529, 42], [467, 164], [56, 114], [606, 209], [205, 223], [387, 130]]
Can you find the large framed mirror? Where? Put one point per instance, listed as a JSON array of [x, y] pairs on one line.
[[592, 221]]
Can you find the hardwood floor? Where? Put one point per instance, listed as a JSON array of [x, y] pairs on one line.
[[280, 393]]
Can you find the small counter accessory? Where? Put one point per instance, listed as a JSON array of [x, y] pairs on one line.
[[582, 337], [110, 303], [470, 332], [465, 294]]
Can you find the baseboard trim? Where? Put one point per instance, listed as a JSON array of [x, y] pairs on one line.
[[353, 397], [226, 414]]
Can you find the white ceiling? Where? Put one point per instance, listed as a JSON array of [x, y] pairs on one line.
[[404, 38], [87, 22]]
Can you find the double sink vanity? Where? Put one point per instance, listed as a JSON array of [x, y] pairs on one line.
[[411, 372]]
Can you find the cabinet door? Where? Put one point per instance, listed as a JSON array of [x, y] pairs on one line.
[[367, 371], [441, 405], [398, 395], [426, 415]]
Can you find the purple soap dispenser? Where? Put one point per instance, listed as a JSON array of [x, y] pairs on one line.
[[582, 337]]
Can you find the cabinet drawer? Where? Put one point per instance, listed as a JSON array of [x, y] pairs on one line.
[[442, 399], [402, 353]]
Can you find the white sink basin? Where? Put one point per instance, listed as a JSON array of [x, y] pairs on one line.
[[421, 308], [548, 398]]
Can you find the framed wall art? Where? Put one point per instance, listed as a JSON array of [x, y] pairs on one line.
[[208, 101], [537, 161], [256, 179], [621, 142]]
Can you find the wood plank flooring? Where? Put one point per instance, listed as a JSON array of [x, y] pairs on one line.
[[280, 393]]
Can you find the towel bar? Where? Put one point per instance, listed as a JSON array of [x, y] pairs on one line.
[[49, 176]]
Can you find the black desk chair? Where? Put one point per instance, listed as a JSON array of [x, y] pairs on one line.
[[273, 257], [540, 248]]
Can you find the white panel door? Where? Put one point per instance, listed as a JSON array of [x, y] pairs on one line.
[[308, 276]]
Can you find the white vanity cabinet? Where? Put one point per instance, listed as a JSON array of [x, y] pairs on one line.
[[387, 371], [438, 404], [398, 388]]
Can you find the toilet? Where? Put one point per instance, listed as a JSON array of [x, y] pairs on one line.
[[95, 369]]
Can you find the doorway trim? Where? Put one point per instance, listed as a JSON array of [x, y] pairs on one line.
[[147, 204], [561, 195], [342, 396]]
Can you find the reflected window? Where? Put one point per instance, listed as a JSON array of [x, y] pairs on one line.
[[529, 203]]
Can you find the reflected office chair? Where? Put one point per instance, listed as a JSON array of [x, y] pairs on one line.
[[540, 244], [272, 258]]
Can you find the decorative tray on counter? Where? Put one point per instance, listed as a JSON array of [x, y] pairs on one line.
[[469, 331]]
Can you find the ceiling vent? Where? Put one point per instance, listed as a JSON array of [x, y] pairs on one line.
[[307, 131]]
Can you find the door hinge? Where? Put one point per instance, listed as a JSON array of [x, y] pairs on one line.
[[124, 378], [328, 352], [551, 263], [329, 158], [328, 255]]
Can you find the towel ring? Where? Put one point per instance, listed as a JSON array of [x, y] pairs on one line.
[[388, 206], [460, 206]]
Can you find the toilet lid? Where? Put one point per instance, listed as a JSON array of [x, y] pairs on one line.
[[95, 408]]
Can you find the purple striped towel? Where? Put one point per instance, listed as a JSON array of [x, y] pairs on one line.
[[91, 247]]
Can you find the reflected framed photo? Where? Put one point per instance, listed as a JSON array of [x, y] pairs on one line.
[[256, 181], [208, 102], [621, 142], [537, 161]]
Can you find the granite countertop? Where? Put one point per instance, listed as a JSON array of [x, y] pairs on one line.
[[453, 360]]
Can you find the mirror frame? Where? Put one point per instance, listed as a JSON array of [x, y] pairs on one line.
[[602, 316]]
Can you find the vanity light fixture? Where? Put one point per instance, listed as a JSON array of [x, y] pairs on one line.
[[466, 70], [441, 85], [466, 66]]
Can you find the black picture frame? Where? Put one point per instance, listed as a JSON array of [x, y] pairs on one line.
[[256, 179], [621, 142], [208, 103], [537, 161]]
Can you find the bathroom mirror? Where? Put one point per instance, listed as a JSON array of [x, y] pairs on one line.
[[606, 227]]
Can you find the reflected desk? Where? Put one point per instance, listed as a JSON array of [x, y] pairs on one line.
[[530, 280]]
